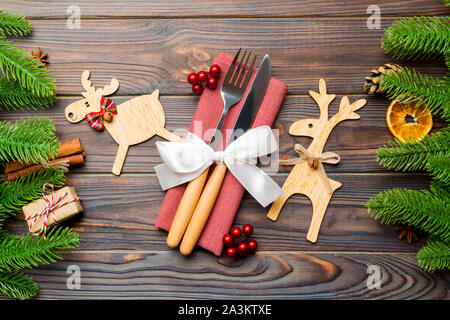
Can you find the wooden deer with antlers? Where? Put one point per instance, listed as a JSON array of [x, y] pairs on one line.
[[308, 176], [136, 120]]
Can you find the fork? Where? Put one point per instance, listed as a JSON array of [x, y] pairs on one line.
[[233, 88]]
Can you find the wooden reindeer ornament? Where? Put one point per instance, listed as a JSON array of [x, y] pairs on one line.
[[130, 123], [308, 176]]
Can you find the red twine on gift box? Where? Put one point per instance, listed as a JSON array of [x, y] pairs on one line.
[[50, 207]]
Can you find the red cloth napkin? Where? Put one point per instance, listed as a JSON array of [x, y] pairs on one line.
[[207, 116]]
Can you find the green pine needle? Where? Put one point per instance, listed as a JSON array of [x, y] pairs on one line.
[[440, 190], [31, 141], [14, 97], [26, 251], [417, 37], [17, 64], [439, 168], [446, 84], [3, 232], [434, 256], [17, 285], [25, 81], [415, 155], [17, 193], [411, 86], [13, 24], [420, 209]]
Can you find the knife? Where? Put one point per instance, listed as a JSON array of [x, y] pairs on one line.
[[212, 188]]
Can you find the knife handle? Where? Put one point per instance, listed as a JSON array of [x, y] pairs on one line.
[[203, 209], [186, 209]]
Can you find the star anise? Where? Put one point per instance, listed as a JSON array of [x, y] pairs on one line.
[[40, 56], [408, 232]]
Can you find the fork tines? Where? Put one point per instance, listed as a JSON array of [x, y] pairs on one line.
[[238, 71]]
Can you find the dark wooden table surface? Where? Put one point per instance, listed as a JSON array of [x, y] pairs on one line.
[[150, 45]]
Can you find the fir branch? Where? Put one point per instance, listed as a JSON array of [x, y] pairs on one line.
[[411, 86], [439, 168], [419, 209], [17, 64], [417, 37], [17, 285], [31, 141], [3, 232], [440, 190], [446, 84], [13, 24], [26, 251], [414, 155], [14, 97], [434, 256], [15, 194]]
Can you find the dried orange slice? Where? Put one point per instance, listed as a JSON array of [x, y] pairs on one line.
[[406, 121]]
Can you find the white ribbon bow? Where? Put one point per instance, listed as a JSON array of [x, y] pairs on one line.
[[186, 160]]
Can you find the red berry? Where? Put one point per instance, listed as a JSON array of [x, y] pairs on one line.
[[231, 252], [212, 83], [202, 76], [248, 230], [242, 249], [214, 70], [197, 88], [228, 240], [252, 245], [192, 78], [236, 233]]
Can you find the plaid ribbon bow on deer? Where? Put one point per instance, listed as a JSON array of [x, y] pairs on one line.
[[95, 119]]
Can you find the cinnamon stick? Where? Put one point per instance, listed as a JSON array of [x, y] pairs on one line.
[[76, 159], [67, 148]]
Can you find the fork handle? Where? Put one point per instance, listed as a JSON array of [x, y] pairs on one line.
[[186, 209], [203, 209]]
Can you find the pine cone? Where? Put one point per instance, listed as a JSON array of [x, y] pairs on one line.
[[372, 82]]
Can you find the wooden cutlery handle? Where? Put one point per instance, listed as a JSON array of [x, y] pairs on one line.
[[203, 209], [186, 209]]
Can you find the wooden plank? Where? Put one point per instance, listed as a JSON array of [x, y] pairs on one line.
[[148, 54], [266, 275], [238, 9], [355, 142], [157, 51], [120, 213]]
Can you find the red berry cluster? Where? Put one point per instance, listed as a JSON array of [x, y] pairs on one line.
[[237, 242], [197, 79]]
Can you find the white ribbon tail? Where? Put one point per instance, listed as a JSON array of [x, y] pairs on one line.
[[169, 179], [182, 161], [256, 182], [240, 160]]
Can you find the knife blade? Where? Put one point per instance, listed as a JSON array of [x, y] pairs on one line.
[[210, 192], [253, 100]]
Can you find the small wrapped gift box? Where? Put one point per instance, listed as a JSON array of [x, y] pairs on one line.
[[61, 205]]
